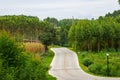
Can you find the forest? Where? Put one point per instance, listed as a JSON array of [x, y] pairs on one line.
[[31, 28], [96, 35], [91, 35]]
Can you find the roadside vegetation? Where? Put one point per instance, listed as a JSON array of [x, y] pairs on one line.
[[96, 63], [17, 64], [93, 39]]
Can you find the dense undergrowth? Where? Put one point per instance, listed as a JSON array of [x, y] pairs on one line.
[[16, 64]]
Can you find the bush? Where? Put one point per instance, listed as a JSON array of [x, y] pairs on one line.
[[16, 64], [87, 62], [8, 73], [111, 49], [114, 70], [103, 70], [9, 51], [100, 63], [1, 69], [83, 54], [95, 68], [32, 70]]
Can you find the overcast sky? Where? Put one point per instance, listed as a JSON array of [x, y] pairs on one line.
[[59, 9]]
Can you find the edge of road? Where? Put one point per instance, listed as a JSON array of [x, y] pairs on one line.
[[79, 66]]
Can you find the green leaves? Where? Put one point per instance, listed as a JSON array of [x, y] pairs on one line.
[[119, 1], [18, 65], [45, 38], [87, 62], [47, 35], [9, 50], [27, 26], [95, 35]]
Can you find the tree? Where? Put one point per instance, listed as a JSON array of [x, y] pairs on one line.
[[52, 21], [47, 35], [27, 26], [45, 38], [95, 35], [65, 25], [71, 35]]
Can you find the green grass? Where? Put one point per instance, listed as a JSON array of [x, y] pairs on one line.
[[54, 46], [47, 59], [99, 62]]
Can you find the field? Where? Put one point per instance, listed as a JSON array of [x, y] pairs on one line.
[[96, 63]]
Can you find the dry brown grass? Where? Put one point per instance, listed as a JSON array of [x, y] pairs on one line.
[[34, 49]]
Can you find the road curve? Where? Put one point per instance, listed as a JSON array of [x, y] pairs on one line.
[[65, 66]]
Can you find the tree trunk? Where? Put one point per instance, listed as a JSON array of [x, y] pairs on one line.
[[98, 45], [88, 45], [46, 48], [118, 44], [112, 43]]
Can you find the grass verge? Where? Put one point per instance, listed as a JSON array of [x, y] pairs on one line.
[[47, 59], [99, 63], [98, 66]]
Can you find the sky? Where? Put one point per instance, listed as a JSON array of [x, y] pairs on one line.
[[60, 9]]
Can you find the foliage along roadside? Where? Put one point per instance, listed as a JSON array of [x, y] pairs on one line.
[[47, 59], [15, 64], [96, 63]]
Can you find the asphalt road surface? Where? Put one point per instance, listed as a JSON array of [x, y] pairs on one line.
[[65, 66]]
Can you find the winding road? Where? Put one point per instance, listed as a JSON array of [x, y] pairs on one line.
[[65, 66]]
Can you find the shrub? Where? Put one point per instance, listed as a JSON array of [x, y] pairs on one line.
[[87, 62], [7, 73], [16, 64], [32, 70], [1, 69], [9, 51], [111, 50], [103, 70], [83, 54], [95, 68], [114, 70]]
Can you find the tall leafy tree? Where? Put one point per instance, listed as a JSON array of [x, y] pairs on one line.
[[47, 35]]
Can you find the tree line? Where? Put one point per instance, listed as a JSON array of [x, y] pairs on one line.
[[96, 35], [90, 35], [25, 26], [48, 31]]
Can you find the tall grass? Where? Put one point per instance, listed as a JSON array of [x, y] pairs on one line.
[[34, 50], [33, 47]]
